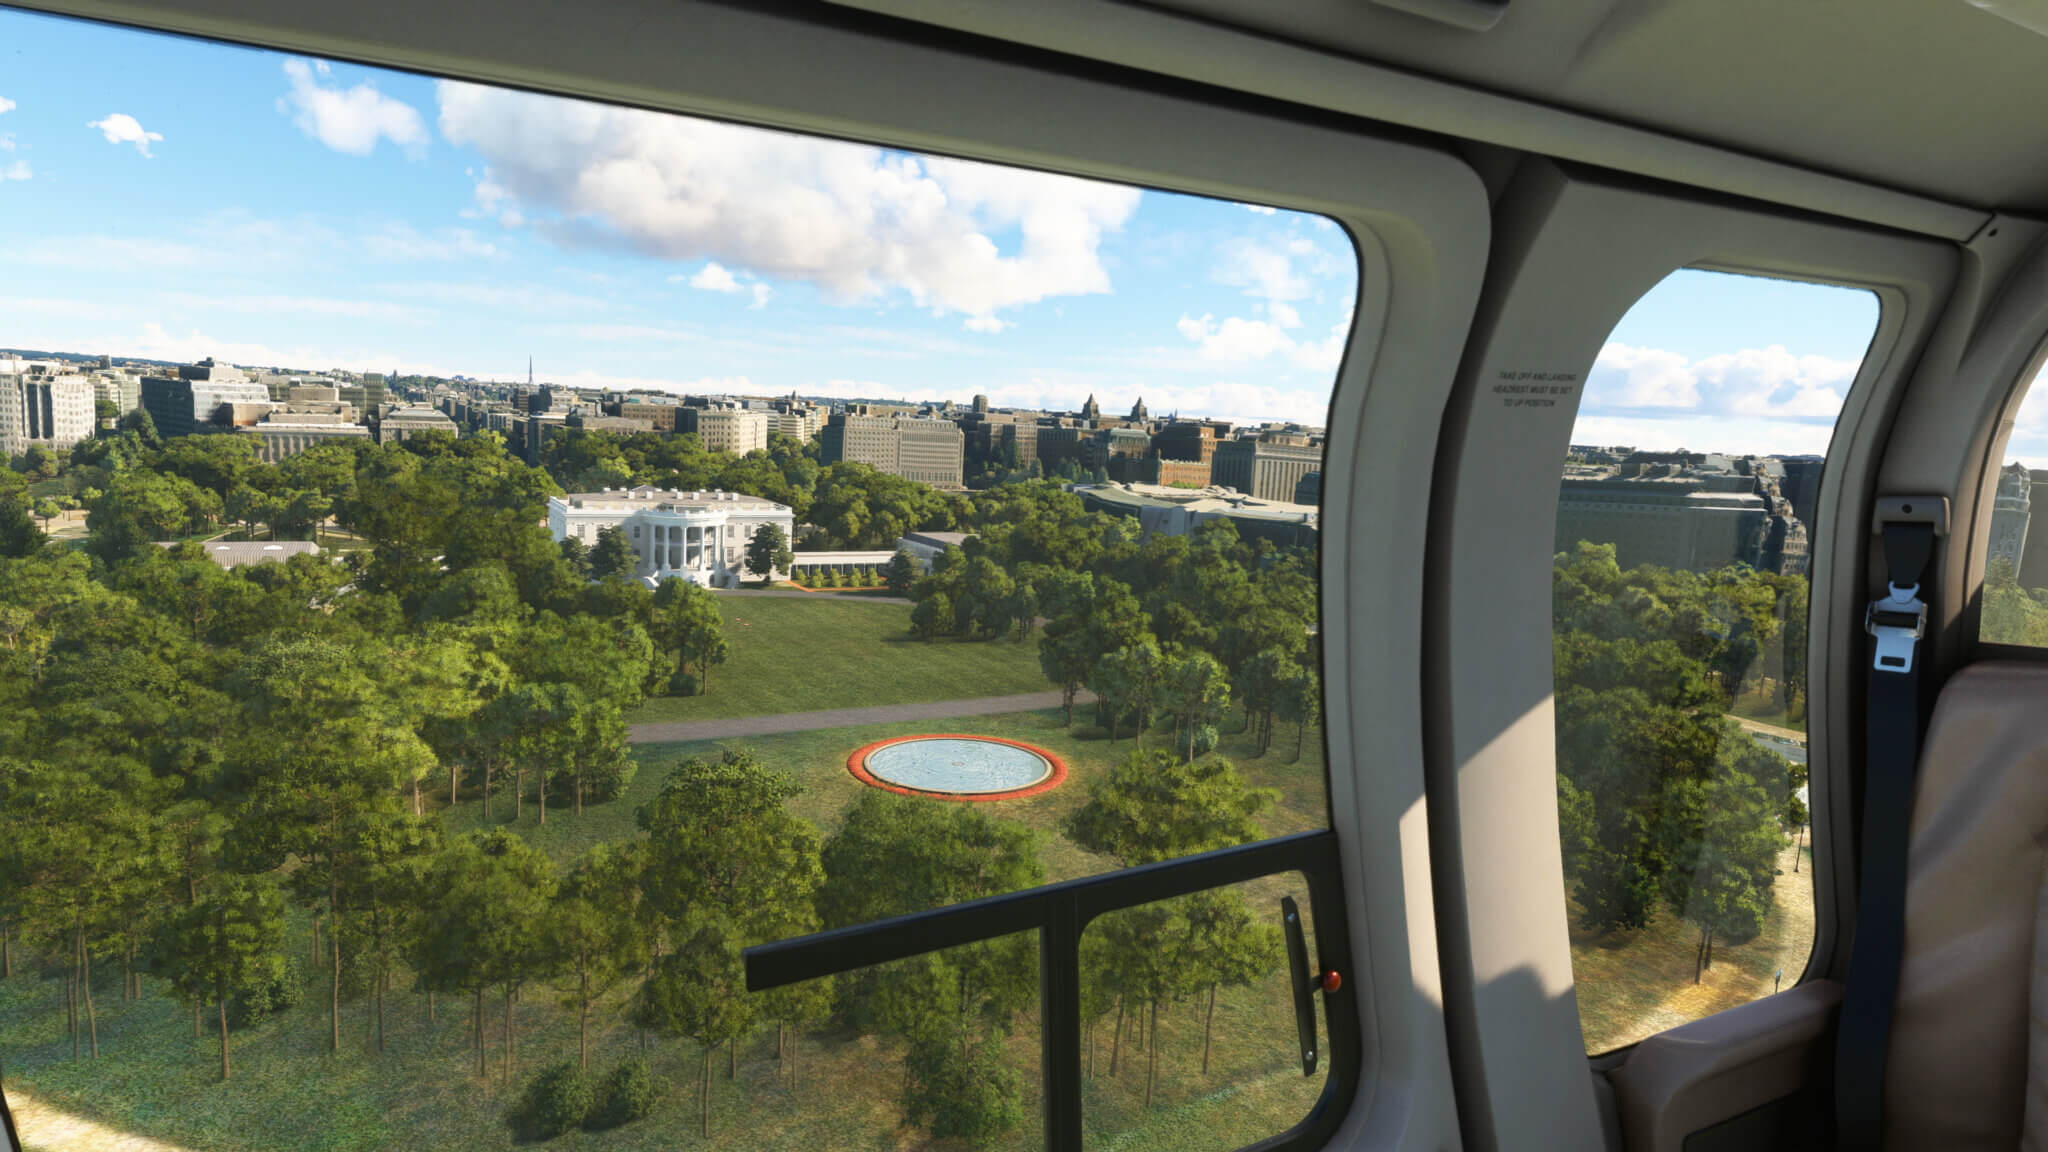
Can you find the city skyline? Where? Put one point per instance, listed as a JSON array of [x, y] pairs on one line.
[[319, 215]]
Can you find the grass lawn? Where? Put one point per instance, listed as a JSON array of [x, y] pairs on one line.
[[1632, 985], [154, 1078], [792, 654], [1764, 709]]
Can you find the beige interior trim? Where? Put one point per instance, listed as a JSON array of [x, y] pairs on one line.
[[1194, 49], [1699, 1074], [1574, 251]]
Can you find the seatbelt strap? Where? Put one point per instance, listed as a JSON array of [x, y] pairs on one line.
[[1897, 624]]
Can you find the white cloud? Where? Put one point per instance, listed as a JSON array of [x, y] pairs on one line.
[[859, 223], [1283, 314], [714, 278], [1264, 270], [19, 170], [984, 324], [121, 128], [7, 105], [399, 242], [298, 305], [762, 294], [1769, 384], [1261, 209], [6, 141], [1240, 340], [350, 120], [529, 298]]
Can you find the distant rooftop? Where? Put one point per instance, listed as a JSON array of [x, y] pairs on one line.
[[649, 496]]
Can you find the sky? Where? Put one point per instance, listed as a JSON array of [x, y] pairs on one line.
[[176, 199]]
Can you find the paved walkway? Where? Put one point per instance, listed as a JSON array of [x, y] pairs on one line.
[[43, 1127], [776, 725]]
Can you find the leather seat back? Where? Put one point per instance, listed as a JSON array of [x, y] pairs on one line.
[[1957, 1072]]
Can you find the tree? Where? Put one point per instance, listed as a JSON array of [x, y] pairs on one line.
[[594, 931], [689, 631], [1724, 859], [932, 617], [485, 903], [613, 556], [1194, 689], [727, 865], [1153, 806], [900, 573], [768, 553], [227, 942], [1126, 681]]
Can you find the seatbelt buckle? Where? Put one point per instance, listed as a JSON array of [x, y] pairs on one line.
[[1897, 621]]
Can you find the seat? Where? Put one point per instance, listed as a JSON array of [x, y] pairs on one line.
[[1957, 1074], [1971, 1020]]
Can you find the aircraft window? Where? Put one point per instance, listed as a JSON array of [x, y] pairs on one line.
[[1685, 526], [394, 752], [2015, 606]]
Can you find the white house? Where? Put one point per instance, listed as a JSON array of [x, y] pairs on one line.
[[701, 537]]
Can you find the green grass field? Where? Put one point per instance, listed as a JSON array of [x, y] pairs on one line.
[[804, 655], [153, 1078]]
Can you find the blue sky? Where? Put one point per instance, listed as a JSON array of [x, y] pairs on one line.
[[174, 199]]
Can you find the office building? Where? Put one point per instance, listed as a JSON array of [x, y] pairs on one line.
[[204, 397], [732, 430], [1268, 467], [2011, 510], [399, 424], [39, 406], [915, 448]]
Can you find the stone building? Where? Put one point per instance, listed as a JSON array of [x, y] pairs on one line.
[[926, 450], [1268, 467], [40, 406], [731, 430], [204, 397], [701, 537]]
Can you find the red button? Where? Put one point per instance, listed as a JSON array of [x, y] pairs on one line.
[[1332, 981]]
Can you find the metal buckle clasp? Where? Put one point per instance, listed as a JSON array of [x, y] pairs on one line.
[[1897, 621]]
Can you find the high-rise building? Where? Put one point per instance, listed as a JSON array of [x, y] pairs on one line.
[[1268, 467], [2011, 510], [726, 429], [915, 448], [42, 407], [203, 397]]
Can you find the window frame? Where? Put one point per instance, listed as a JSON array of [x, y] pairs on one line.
[[1978, 556], [1414, 210]]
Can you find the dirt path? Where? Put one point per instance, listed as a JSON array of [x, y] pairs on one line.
[[43, 1127], [691, 730], [1792, 734]]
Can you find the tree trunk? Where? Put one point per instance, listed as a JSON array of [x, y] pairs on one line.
[[1710, 948], [196, 1007], [1151, 1054], [1699, 956], [583, 1025], [489, 774], [1067, 700], [92, 1021], [6, 949], [518, 795], [579, 795], [1208, 1020], [1116, 1038], [796, 1040], [417, 811], [543, 774], [334, 959], [508, 1034], [1300, 736], [224, 1033], [453, 774], [704, 1093]]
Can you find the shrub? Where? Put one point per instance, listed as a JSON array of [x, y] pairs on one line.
[[271, 997], [627, 1094], [555, 1102]]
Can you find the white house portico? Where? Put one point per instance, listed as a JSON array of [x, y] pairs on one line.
[[701, 537]]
